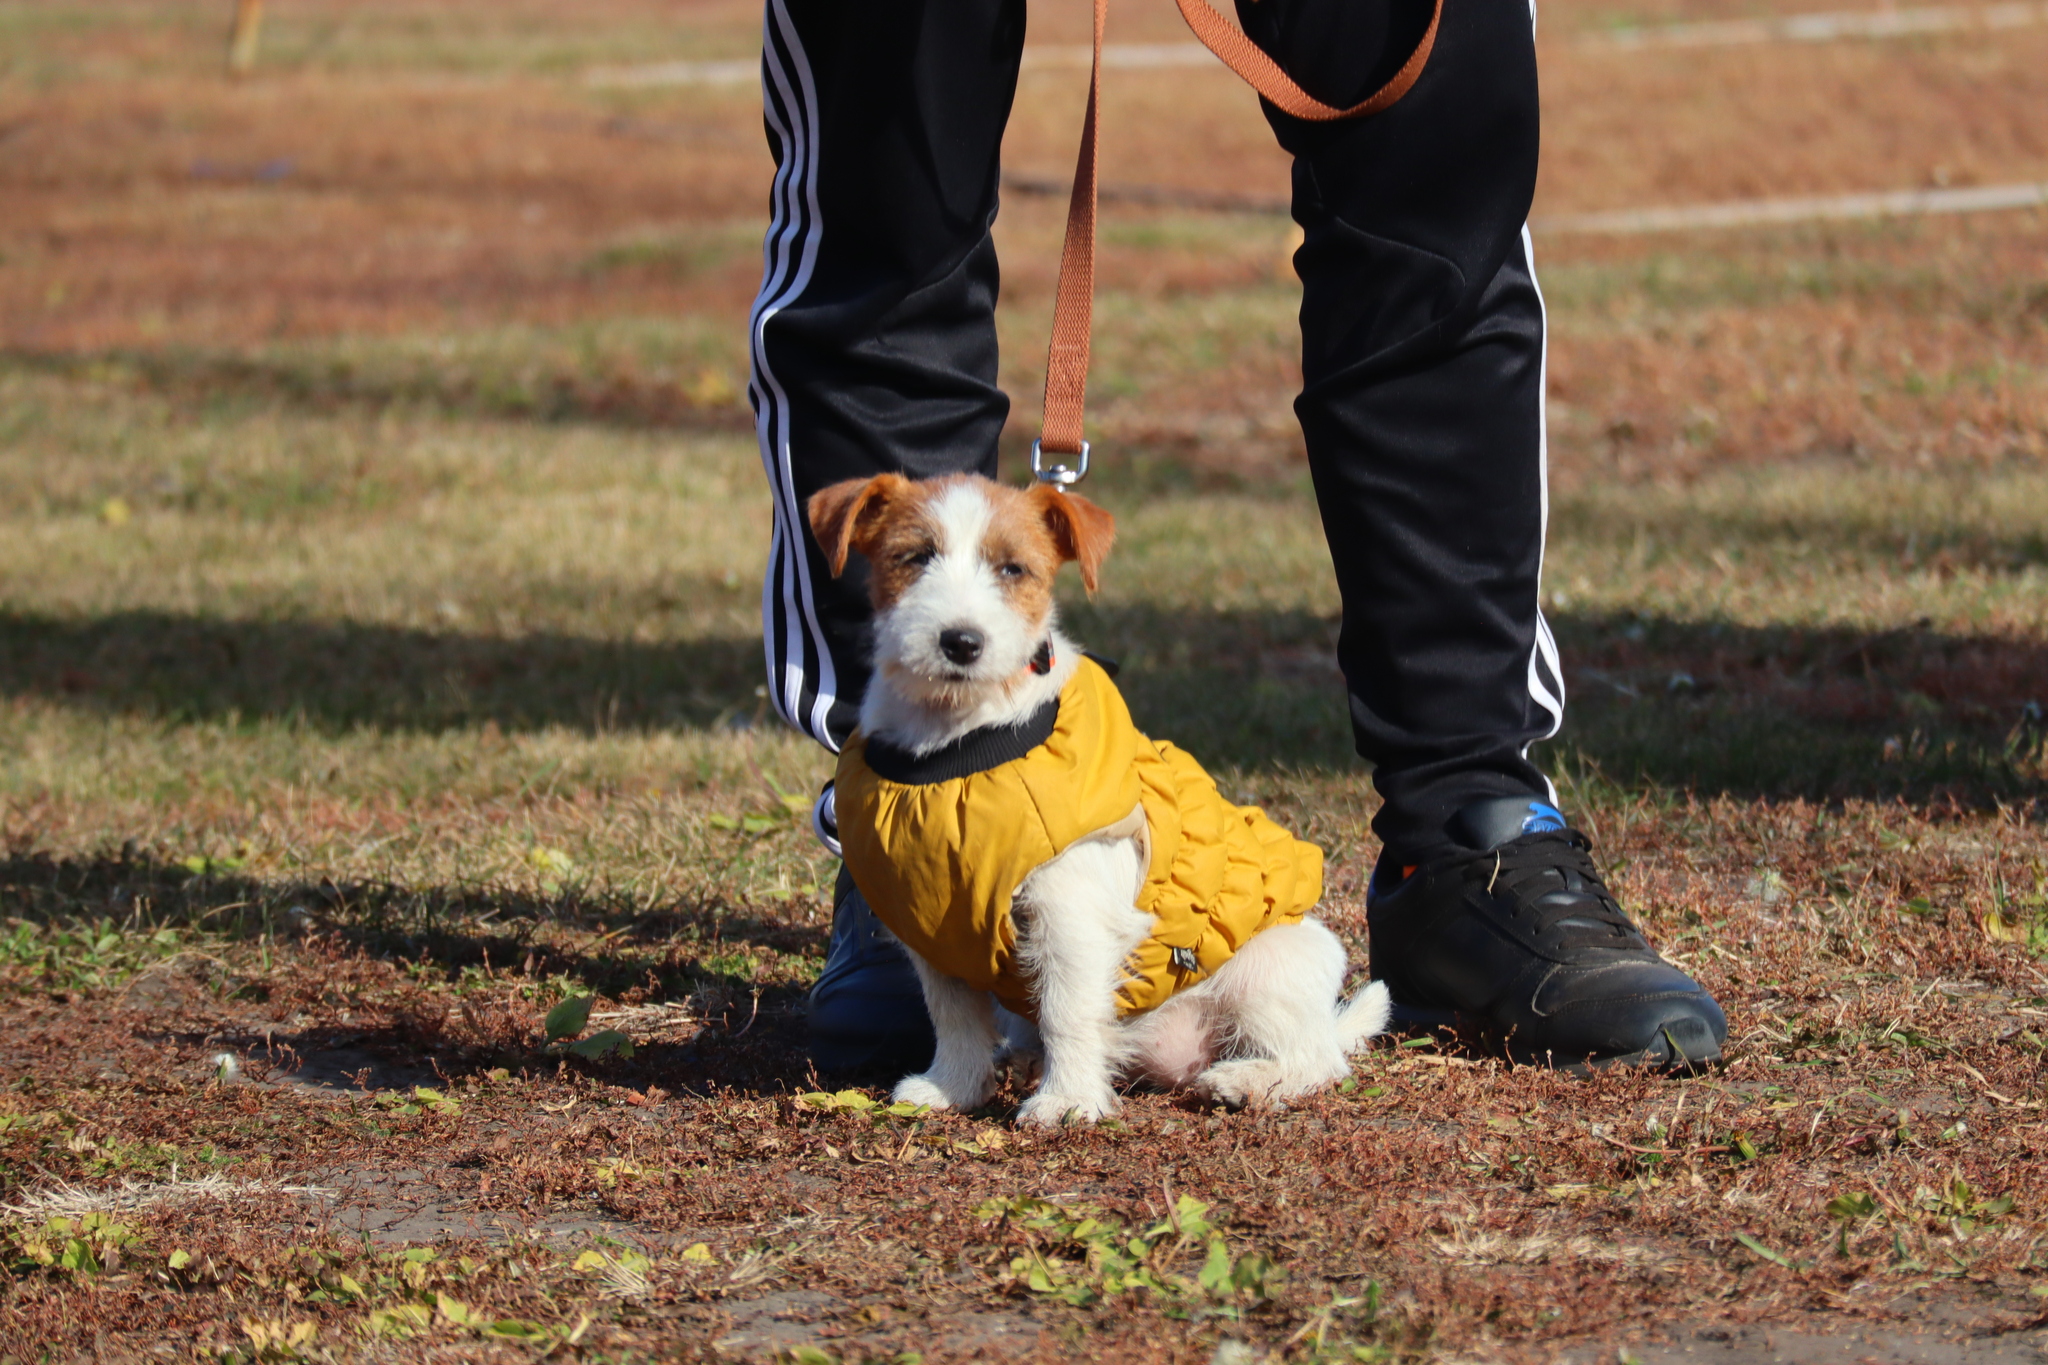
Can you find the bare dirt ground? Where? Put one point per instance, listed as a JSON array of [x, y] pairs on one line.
[[378, 671]]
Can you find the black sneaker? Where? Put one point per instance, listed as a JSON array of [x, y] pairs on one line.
[[1514, 938], [867, 1010]]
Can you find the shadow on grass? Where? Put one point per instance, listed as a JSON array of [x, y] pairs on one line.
[[447, 927], [1699, 706], [1793, 712], [1945, 522], [477, 387], [336, 676], [401, 967]]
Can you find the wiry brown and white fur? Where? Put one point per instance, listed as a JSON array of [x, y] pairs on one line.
[[962, 554]]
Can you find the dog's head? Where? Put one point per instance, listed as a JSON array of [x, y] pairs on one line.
[[961, 573]]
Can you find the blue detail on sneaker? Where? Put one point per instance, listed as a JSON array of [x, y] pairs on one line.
[[1488, 824]]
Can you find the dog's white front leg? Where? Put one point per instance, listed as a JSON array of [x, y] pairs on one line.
[[962, 1073], [1078, 926]]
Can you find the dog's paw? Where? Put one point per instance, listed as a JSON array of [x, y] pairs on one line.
[[1053, 1111], [1236, 1084], [925, 1091]]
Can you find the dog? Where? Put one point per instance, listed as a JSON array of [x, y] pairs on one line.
[[1032, 849]]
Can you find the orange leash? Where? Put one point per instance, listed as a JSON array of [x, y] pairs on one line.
[[1066, 366], [1066, 363], [1264, 75]]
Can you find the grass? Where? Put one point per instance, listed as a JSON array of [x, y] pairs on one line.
[[51, 43], [379, 729], [379, 671]]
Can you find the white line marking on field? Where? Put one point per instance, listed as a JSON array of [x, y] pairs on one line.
[[1825, 28], [1757, 212], [738, 71]]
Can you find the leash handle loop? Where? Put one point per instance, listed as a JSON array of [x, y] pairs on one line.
[[1263, 74]]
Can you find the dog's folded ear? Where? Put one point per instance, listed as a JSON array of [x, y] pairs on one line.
[[844, 516], [1082, 530]]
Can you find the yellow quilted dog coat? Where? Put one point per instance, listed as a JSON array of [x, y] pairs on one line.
[[939, 860]]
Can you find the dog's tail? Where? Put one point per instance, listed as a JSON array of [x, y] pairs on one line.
[[1364, 1016]]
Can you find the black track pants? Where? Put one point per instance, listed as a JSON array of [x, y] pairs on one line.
[[874, 349]]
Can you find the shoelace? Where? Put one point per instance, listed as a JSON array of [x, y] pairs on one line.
[[1551, 876]]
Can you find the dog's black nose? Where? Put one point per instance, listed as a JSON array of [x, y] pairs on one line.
[[960, 646]]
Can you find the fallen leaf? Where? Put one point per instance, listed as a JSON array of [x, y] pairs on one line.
[[568, 1018], [550, 859]]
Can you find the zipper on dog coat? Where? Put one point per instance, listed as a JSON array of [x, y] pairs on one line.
[[938, 846]]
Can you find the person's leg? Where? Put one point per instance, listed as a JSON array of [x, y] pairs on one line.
[[1423, 364], [874, 351], [874, 341], [1422, 402]]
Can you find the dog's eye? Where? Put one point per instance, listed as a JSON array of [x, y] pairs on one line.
[[918, 558], [1013, 571]]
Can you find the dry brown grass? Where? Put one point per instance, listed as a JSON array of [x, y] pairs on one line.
[[141, 218], [1878, 1055]]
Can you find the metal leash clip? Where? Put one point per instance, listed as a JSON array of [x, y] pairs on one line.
[[1060, 476]]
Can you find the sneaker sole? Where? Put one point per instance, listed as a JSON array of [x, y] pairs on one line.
[[1685, 1047]]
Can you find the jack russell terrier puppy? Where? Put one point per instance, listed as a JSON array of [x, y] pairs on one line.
[[1030, 847]]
